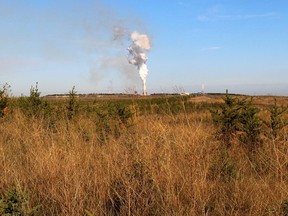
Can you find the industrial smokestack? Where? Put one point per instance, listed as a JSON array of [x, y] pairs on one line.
[[203, 88], [137, 55], [144, 88]]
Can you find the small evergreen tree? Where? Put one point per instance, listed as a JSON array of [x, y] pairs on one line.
[[34, 100], [73, 105], [250, 126], [16, 202], [276, 121], [4, 93], [238, 119], [228, 118], [34, 105]]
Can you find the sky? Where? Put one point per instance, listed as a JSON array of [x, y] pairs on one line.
[[239, 45]]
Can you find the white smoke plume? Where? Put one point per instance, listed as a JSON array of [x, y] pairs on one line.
[[137, 55], [119, 33]]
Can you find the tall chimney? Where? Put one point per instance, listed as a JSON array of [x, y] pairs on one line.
[[144, 88]]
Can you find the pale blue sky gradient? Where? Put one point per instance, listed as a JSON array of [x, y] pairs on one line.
[[241, 45]]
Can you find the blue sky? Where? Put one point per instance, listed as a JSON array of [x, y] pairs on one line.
[[240, 45]]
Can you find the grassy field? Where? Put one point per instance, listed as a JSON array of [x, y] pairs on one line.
[[143, 156]]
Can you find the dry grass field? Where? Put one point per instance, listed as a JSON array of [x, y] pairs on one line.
[[146, 163]]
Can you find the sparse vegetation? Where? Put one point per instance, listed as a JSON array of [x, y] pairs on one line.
[[143, 156], [238, 119], [277, 122], [4, 94], [34, 105], [73, 104], [16, 202]]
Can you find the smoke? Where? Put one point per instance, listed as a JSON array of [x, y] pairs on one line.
[[68, 39], [139, 46], [109, 64], [108, 48], [137, 55], [120, 33]]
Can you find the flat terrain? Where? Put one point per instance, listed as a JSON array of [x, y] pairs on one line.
[[155, 155]]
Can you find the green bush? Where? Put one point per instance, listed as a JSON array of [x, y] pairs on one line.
[[73, 105], [134, 192], [16, 202], [223, 168], [238, 119], [250, 126], [277, 123], [4, 92], [284, 208], [228, 118], [112, 119], [34, 105]]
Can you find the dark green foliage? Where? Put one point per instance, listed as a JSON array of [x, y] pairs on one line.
[[137, 195], [284, 208], [170, 105], [34, 105], [34, 100], [112, 119], [104, 127], [228, 118], [238, 119], [15, 202], [224, 168], [4, 99], [123, 113], [277, 123], [73, 104], [250, 125]]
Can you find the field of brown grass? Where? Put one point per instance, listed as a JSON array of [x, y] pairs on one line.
[[168, 164]]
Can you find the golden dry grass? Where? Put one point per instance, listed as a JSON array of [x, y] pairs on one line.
[[163, 165], [206, 99]]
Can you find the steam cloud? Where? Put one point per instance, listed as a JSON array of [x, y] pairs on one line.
[[137, 55], [76, 38]]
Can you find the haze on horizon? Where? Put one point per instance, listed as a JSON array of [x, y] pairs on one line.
[[240, 45]]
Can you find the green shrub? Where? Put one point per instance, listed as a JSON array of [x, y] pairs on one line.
[[134, 194], [238, 119], [228, 118], [284, 208], [34, 100], [73, 105], [250, 126], [4, 92], [16, 202], [223, 168], [112, 118], [34, 105], [123, 113], [277, 123]]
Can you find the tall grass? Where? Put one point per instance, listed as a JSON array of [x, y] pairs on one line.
[[167, 163]]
